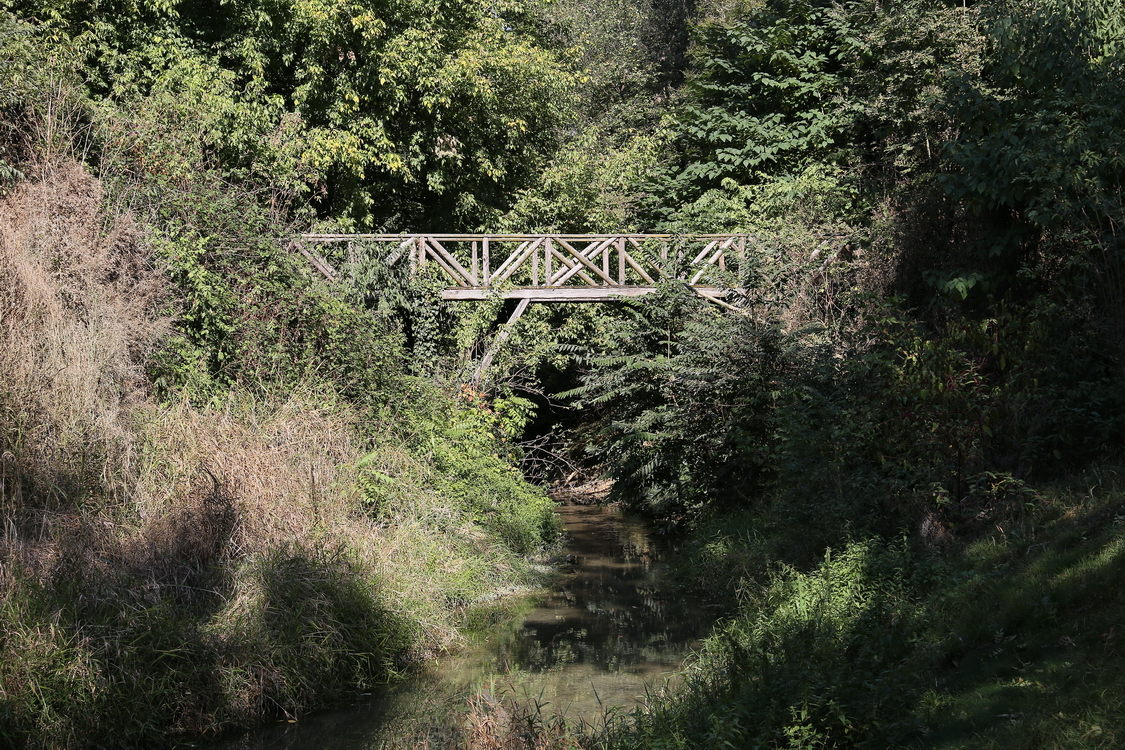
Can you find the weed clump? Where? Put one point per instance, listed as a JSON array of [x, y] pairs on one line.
[[80, 302]]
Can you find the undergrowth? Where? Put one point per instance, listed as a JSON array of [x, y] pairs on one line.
[[218, 504], [1006, 638], [230, 493]]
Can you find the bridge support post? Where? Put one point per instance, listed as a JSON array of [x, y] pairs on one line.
[[501, 337]]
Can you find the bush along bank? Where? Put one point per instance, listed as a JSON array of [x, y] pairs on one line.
[[1007, 639], [896, 453], [260, 585], [916, 520], [918, 530], [899, 460]]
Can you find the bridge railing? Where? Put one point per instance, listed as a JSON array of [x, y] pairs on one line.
[[559, 267]]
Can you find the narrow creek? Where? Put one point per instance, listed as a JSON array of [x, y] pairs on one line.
[[602, 636]]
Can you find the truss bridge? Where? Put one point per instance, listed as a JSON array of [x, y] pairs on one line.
[[546, 267]]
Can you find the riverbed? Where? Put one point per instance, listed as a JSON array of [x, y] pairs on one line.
[[601, 638]]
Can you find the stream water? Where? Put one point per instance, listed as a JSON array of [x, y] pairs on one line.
[[603, 636]]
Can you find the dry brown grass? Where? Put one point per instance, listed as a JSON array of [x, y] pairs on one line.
[[289, 466], [492, 718], [94, 475], [79, 313], [500, 722], [292, 471]]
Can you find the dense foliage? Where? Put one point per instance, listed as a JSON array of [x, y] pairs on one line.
[[853, 144], [377, 117], [922, 358], [224, 496], [691, 391], [934, 192]]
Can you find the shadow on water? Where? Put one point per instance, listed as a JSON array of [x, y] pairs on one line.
[[602, 636]]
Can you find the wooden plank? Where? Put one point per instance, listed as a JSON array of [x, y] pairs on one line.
[[549, 277], [586, 260], [560, 293], [528, 252], [713, 296], [501, 337], [695, 279], [450, 260], [513, 262], [703, 253], [514, 259], [535, 269], [726, 246], [321, 238], [449, 270], [593, 248], [635, 265], [318, 263], [518, 312], [327, 238], [569, 270], [559, 267], [553, 276], [565, 265], [397, 254]]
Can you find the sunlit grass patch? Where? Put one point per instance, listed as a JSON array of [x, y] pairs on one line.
[[1035, 656]]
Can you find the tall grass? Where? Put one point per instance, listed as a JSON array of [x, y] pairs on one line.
[[169, 569], [78, 315], [1006, 637], [1006, 634]]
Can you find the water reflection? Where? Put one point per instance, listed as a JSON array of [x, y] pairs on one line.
[[607, 614], [602, 636]]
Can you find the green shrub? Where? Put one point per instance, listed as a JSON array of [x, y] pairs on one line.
[[819, 659]]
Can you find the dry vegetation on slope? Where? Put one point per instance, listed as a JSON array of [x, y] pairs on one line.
[[168, 568], [80, 313]]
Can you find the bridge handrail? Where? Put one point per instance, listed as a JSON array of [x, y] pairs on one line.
[[559, 267], [508, 237]]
